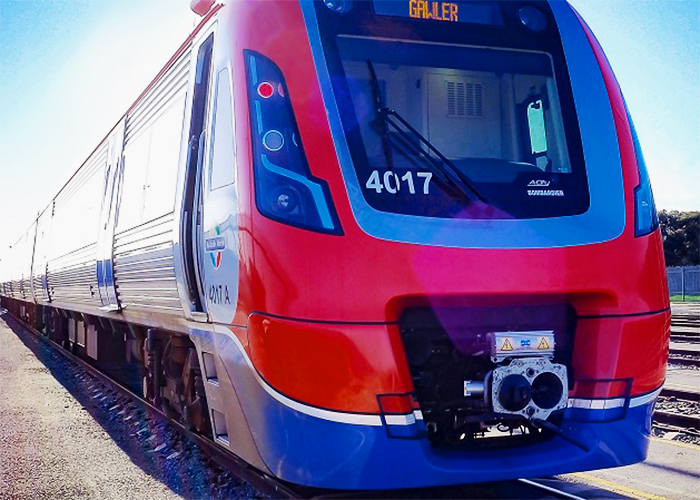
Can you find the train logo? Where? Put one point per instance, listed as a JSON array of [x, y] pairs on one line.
[[214, 246]]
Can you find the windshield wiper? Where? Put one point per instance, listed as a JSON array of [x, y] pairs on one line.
[[384, 129], [446, 171]]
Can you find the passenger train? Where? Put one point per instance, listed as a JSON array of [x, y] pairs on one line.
[[371, 244]]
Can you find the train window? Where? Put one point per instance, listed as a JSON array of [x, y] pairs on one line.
[[134, 173], [456, 131], [222, 171], [164, 153]]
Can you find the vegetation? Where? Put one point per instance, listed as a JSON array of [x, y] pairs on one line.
[[681, 235], [685, 298]]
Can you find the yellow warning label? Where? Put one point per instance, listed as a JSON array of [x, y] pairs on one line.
[[543, 344], [507, 345]]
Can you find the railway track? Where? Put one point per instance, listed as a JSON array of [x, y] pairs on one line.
[[685, 321], [270, 486], [684, 337], [262, 482], [683, 351], [685, 328], [689, 362], [684, 355], [679, 408], [680, 420]]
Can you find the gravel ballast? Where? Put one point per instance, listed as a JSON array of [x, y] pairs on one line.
[[64, 435]]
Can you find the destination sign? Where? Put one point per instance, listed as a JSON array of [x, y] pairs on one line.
[[464, 11]]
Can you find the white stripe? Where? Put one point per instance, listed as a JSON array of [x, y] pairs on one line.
[[606, 404], [646, 398], [408, 418], [330, 415]]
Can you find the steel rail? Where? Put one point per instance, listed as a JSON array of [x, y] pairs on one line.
[[684, 351], [681, 394], [684, 361], [682, 337], [549, 489], [693, 331], [685, 329], [677, 419], [686, 321]]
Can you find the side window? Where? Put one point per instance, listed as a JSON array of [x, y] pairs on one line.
[[134, 171], [222, 165], [166, 134]]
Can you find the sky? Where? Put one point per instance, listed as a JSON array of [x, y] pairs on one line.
[[69, 69], [654, 49]]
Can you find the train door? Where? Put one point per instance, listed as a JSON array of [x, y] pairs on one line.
[[105, 237], [218, 253], [40, 265], [190, 229]]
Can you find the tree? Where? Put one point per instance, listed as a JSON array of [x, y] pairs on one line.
[[681, 235]]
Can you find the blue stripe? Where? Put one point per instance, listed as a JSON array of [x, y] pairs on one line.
[[258, 116], [316, 190], [100, 279], [254, 70], [307, 449]]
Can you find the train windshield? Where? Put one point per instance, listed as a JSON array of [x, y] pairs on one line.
[[455, 130]]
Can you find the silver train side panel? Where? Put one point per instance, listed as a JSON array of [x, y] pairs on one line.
[[72, 238], [144, 269], [229, 423], [105, 229], [20, 265], [39, 264]]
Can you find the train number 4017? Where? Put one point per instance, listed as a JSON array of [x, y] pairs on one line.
[[392, 182]]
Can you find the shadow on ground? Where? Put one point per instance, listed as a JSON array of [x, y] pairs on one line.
[[189, 473]]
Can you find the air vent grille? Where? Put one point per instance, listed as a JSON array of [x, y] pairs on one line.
[[465, 99]]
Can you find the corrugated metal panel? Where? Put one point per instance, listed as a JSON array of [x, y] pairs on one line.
[[73, 277], [168, 89], [94, 165], [40, 255], [144, 272], [74, 223], [21, 264], [38, 287], [25, 291]]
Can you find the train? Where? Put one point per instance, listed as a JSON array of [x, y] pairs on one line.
[[370, 245]]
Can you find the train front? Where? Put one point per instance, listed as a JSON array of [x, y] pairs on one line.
[[451, 268]]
